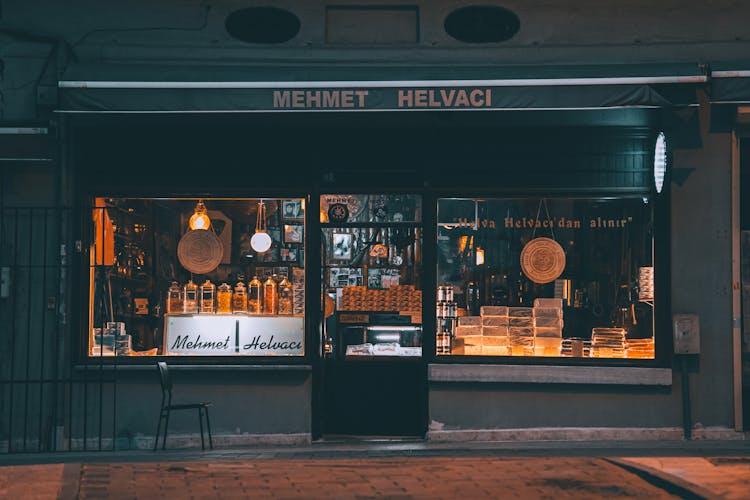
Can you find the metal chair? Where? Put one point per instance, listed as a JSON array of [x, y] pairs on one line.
[[167, 407]]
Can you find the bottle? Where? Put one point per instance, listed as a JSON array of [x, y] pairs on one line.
[[520, 291], [190, 297], [224, 299], [285, 296], [443, 342], [254, 296], [239, 299], [270, 296], [174, 299], [472, 298], [208, 294]]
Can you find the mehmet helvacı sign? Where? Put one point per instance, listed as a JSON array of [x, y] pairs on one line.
[[197, 335]]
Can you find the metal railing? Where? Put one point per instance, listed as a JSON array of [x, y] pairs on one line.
[[48, 400]]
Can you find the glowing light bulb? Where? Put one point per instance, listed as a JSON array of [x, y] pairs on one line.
[[200, 220]]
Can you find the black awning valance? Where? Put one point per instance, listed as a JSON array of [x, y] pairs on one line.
[[173, 89]]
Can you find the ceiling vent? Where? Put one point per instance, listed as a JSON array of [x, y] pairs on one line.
[[482, 24], [262, 25]]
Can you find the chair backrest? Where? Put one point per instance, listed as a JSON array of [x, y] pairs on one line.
[[166, 382]]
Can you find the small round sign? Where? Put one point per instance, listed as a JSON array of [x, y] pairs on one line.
[[542, 260]]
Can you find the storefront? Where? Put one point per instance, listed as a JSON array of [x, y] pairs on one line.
[[321, 270]]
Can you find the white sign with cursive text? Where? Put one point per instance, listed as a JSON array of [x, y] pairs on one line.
[[276, 335], [227, 335]]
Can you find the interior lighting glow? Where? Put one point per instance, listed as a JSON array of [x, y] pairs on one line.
[[199, 219], [660, 161]]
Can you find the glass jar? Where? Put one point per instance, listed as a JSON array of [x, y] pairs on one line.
[[239, 299], [190, 297], [285, 296], [224, 298], [254, 296], [270, 296], [208, 294], [174, 299]]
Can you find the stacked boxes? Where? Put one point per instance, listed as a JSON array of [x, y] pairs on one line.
[[521, 331], [396, 298], [639, 348], [548, 326], [495, 323], [607, 343], [468, 335], [111, 341], [514, 331]]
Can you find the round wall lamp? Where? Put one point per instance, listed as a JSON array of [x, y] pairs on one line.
[[660, 161]]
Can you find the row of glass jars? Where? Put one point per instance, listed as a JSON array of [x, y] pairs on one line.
[[268, 297]]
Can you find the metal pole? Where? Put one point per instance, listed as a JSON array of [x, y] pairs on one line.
[[687, 423]]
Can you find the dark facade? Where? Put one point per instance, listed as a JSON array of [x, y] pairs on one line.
[[162, 102]]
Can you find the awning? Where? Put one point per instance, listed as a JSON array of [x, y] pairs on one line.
[[123, 88], [730, 84], [729, 88]]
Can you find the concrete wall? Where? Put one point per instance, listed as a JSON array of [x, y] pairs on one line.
[[245, 403], [39, 37], [702, 266]]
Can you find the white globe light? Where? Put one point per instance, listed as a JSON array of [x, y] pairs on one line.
[[260, 241], [660, 161]]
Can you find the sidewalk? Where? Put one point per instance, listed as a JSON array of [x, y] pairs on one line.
[[393, 470]]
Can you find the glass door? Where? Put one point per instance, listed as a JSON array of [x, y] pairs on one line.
[[371, 252]]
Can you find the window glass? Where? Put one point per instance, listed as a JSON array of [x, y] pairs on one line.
[[189, 277], [371, 248], [545, 277]]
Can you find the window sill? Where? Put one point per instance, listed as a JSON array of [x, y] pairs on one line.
[[592, 375], [176, 367]]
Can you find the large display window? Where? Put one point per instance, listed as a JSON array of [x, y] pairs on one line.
[[197, 277], [552, 277]]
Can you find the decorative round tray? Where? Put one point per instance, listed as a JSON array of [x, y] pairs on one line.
[[542, 260], [200, 251]]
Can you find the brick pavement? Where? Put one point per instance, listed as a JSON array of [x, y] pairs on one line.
[[31, 481], [360, 478], [722, 477]]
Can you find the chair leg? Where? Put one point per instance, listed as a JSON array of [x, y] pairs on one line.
[[208, 424], [158, 430], [200, 423], [166, 426]]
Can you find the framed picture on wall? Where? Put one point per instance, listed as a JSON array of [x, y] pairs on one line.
[[292, 210], [293, 233], [289, 254], [342, 246]]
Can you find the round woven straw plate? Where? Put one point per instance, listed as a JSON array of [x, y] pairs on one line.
[[542, 260], [200, 251]]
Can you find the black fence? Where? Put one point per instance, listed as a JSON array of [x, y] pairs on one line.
[[49, 399]]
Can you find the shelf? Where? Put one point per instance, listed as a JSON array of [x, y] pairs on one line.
[[333, 225], [120, 277]]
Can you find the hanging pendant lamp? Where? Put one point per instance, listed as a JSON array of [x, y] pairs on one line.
[[260, 241], [199, 219]]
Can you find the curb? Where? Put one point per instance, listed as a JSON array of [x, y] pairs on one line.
[[667, 482]]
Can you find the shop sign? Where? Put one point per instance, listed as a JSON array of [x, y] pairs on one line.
[[382, 98], [278, 335], [566, 223], [217, 335], [200, 335]]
